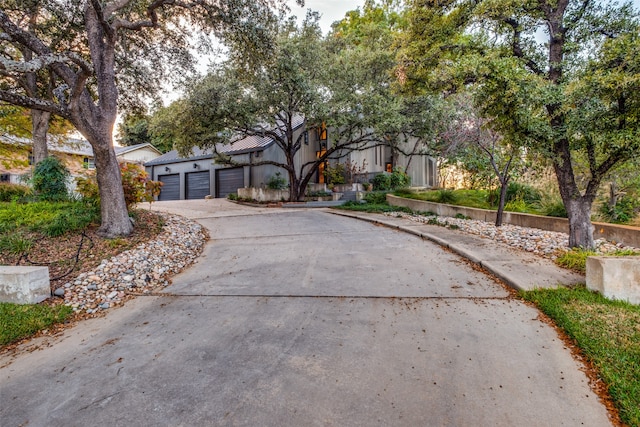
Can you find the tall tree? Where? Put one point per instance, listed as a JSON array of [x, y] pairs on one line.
[[498, 48], [118, 44]]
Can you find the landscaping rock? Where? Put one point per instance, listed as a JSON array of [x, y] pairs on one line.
[[139, 270]]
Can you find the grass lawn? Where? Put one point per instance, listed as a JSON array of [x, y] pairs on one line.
[[22, 320], [607, 332]]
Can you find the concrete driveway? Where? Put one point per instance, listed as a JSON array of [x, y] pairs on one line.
[[301, 317]]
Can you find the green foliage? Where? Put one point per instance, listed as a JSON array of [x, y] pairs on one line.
[[381, 182], [607, 333], [232, 196], [88, 189], [277, 182], [47, 217], [517, 205], [15, 243], [399, 179], [446, 196], [50, 179], [335, 175], [135, 182], [22, 320], [552, 205], [372, 207], [133, 130], [625, 209], [376, 197], [13, 192], [516, 191], [575, 259]]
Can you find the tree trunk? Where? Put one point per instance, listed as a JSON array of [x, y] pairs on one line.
[[504, 184], [580, 227], [115, 217], [40, 128]]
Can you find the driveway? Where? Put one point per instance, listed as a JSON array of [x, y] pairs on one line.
[[301, 317]]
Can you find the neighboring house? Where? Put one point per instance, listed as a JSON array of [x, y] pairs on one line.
[[139, 153], [76, 154], [198, 175]]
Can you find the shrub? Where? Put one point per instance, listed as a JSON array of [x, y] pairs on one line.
[[399, 179], [136, 185], [50, 179], [622, 212], [376, 197], [552, 205], [381, 182], [515, 191], [11, 192], [335, 175], [446, 196], [277, 182], [517, 205]]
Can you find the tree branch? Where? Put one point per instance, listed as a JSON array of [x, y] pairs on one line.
[[34, 103]]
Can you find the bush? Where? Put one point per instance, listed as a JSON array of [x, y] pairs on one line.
[[446, 196], [515, 191], [13, 192], [50, 180], [277, 182], [553, 206], [622, 213], [399, 179], [517, 205], [136, 185], [381, 182], [376, 197]]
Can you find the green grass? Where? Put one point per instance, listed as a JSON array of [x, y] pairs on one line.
[[22, 320], [372, 207], [608, 333], [576, 258], [49, 218], [468, 198]]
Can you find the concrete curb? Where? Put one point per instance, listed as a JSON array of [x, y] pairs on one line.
[[492, 267]]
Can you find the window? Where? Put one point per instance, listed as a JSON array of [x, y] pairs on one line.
[[88, 163], [5, 177]]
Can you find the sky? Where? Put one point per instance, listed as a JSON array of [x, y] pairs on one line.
[[330, 10]]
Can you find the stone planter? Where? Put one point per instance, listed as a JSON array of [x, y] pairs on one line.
[[263, 194]]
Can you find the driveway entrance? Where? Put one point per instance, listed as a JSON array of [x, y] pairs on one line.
[[296, 318]]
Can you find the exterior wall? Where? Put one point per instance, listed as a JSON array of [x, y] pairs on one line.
[[422, 170]]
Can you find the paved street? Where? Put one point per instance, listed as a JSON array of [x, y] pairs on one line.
[[300, 317]]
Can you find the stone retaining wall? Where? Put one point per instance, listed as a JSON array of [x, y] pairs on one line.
[[627, 235]]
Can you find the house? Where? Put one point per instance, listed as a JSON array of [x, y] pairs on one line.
[[76, 154], [198, 175]]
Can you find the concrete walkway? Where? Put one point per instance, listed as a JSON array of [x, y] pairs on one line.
[[306, 318]]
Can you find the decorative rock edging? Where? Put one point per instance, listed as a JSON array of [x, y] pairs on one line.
[[139, 270], [548, 244]]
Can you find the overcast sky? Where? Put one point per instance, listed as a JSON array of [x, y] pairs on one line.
[[330, 10]]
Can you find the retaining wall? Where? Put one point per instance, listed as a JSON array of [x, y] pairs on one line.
[[627, 235]]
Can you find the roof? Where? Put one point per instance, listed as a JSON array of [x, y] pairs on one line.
[[130, 148], [55, 143], [239, 146]]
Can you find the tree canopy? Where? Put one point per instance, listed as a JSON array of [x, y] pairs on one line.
[[101, 55], [558, 76]]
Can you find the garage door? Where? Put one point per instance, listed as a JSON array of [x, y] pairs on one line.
[[228, 181], [197, 185], [170, 187]]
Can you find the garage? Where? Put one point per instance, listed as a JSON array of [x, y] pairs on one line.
[[198, 185], [228, 181], [170, 187]]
